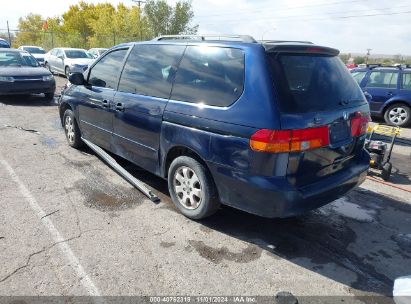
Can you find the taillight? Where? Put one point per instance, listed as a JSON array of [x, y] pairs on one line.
[[359, 124], [278, 141]]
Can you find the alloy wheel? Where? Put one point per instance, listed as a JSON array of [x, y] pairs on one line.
[[187, 188], [69, 127], [398, 115]]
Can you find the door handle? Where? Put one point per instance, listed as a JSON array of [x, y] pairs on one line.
[[390, 94], [120, 107], [105, 103]]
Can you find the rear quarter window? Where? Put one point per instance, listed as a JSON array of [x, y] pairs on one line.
[[210, 75], [406, 81]]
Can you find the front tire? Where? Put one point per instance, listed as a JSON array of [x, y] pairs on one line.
[[71, 129], [398, 115], [67, 72], [192, 188]]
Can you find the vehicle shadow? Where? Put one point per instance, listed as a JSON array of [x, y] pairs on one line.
[[362, 240], [363, 235], [28, 100]]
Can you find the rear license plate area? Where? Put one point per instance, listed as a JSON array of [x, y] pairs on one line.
[[340, 132]]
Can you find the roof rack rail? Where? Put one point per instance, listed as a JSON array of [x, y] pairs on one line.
[[284, 41], [380, 65], [242, 38]]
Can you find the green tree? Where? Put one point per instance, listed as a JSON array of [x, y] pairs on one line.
[[359, 60], [164, 19], [77, 24], [30, 30]]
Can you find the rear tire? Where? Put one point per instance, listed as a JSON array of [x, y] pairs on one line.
[[398, 115], [386, 171], [71, 129], [192, 188]]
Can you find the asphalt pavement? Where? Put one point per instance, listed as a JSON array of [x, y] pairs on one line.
[[70, 226]]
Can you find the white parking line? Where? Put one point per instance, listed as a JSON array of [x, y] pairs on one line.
[[55, 234]]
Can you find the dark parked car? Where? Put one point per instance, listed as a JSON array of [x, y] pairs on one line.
[[20, 73], [4, 44], [274, 129], [390, 90]]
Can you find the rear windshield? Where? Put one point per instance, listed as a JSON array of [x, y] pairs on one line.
[[310, 83], [34, 50]]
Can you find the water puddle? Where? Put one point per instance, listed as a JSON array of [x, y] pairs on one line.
[[345, 208]]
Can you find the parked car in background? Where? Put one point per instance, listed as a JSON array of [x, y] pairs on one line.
[[36, 51], [274, 129], [20, 73], [4, 43], [390, 90], [97, 52], [67, 60]]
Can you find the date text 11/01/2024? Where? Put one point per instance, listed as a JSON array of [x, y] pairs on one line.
[[204, 299]]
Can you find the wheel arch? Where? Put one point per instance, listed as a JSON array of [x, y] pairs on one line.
[[180, 150], [63, 107], [395, 101]]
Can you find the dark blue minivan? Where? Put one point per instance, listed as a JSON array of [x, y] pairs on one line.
[[274, 128]]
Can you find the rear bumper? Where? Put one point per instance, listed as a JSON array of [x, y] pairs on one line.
[[275, 197], [37, 87]]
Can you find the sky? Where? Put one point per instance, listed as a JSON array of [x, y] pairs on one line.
[[349, 25]]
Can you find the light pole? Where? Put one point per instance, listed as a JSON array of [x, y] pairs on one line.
[[368, 54], [139, 2]]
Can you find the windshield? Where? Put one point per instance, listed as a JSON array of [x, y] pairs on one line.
[[10, 59], [34, 50], [77, 54], [309, 83]]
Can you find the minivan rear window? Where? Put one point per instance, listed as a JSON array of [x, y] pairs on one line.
[[210, 75], [311, 83]]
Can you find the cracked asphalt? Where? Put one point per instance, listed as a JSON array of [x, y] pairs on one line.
[[71, 226]]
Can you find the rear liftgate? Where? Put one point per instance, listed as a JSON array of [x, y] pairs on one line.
[[120, 170]]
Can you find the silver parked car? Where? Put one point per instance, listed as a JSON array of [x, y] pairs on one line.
[[67, 60], [36, 51], [97, 52]]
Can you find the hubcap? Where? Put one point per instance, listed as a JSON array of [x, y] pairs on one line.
[[187, 188], [398, 115], [69, 127]]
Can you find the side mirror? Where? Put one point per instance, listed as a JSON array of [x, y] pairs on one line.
[[61, 57], [77, 79], [368, 96]]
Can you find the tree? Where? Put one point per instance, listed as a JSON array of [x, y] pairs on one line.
[[359, 60], [30, 30], [164, 19], [344, 57]]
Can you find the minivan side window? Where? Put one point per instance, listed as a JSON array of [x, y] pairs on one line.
[[379, 79], [406, 81], [210, 75], [105, 73], [150, 70]]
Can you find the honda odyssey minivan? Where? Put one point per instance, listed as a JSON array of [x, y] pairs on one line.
[[274, 128]]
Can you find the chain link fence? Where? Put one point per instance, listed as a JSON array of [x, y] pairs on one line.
[[50, 39]]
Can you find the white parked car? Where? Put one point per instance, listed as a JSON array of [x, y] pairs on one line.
[[97, 52], [67, 60], [36, 51]]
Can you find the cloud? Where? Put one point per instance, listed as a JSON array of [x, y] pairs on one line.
[[337, 23]]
